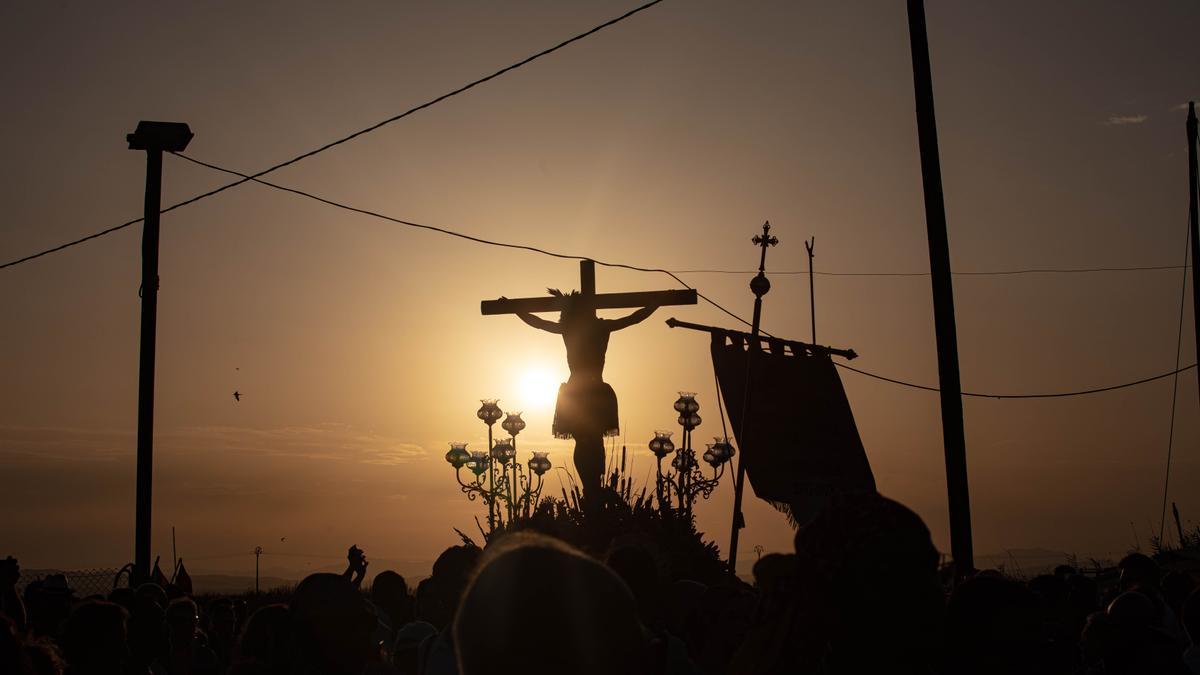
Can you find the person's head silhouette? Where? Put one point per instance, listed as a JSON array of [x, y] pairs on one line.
[[183, 620], [993, 626], [451, 572], [266, 645], [1139, 571], [574, 309], [638, 568], [332, 625], [579, 616], [389, 592], [94, 638], [866, 565]]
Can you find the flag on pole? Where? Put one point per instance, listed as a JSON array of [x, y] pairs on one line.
[[157, 575], [183, 580]]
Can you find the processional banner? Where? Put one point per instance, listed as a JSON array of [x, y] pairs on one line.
[[793, 423]]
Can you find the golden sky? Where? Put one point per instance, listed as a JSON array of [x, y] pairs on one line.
[[665, 142]]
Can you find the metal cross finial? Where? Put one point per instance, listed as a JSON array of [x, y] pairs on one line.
[[759, 285], [764, 240]]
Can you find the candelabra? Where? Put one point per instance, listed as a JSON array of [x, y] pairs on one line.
[[495, 475], [685, 478]]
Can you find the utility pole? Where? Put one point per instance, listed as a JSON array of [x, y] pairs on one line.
[[950, 386], [1193, 219], [258, 551], [812, 297], [759, 286], [1178, 526], [154, 138]]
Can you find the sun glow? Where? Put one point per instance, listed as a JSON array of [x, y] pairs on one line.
[[538, 389]]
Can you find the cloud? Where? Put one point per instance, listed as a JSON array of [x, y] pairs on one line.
[[1121, 120], [1181, 106], [322, 441], [340, 442], [49, 444]]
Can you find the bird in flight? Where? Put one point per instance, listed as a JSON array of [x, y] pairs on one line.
[[237, 396]]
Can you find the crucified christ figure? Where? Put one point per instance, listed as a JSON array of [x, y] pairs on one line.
[[587, 406]]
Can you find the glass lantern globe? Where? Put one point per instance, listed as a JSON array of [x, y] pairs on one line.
[[513, 423], [539, 463], [458, 455], [478, 462], [723, 449], [712, 457], [661, 444], [689, 421], [489, 412], [503, 451], [681, 403], [655, 445]]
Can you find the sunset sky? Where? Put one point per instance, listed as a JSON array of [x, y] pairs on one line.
[[664, 141]]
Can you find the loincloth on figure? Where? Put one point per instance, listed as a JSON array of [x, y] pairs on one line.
[[585, 408]]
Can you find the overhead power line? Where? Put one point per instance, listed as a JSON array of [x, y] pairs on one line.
[[350, 137], [986, 273], [243, 178], [69, 244], [460, 235], [1061, 394], [670, 273]]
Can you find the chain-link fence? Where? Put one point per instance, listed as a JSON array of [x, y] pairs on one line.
[[82, 583]]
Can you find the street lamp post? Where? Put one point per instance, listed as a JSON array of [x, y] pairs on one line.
[[154, 138], [258, 551]]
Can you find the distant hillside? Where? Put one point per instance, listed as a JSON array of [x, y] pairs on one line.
[[229, 583], [1022, 561]]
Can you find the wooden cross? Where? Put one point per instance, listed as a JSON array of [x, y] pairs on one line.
[[588, 295]]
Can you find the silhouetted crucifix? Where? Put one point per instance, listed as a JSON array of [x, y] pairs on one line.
[[587, 407]]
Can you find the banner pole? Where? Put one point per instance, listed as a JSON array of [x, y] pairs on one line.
[[759, 286]]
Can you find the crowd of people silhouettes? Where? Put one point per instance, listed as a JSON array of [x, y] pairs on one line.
[[861, 593]]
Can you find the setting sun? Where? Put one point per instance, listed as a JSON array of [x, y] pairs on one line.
[[538, 388]]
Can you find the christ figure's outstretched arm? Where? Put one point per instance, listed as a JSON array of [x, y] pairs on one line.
[[634, 318], [540, 323]]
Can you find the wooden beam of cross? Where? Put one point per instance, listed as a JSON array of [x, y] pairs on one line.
[[588, 295]]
